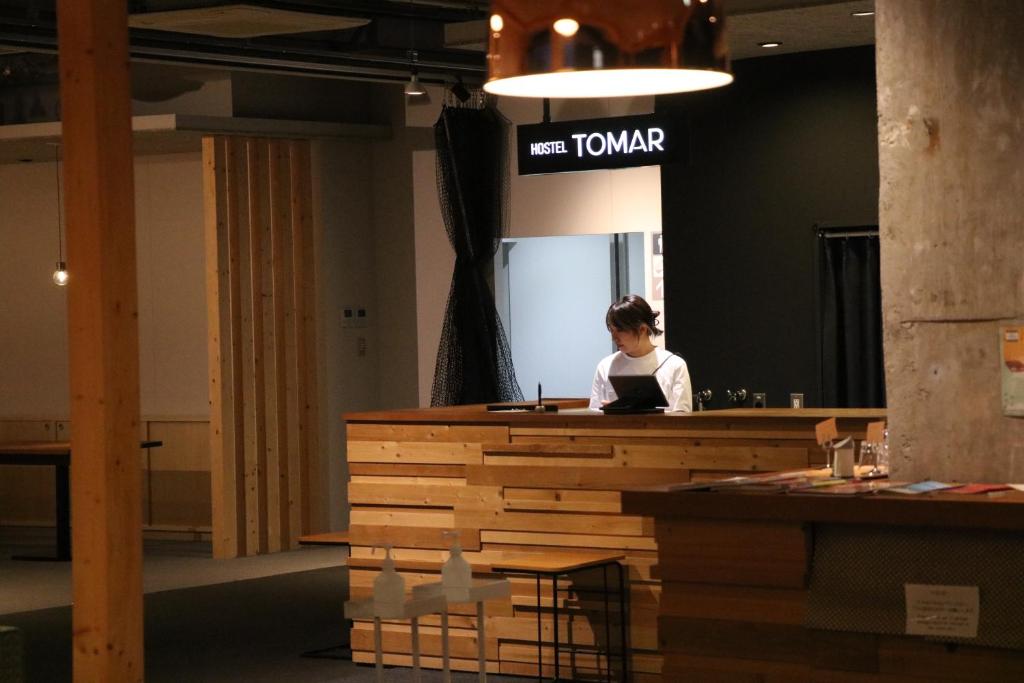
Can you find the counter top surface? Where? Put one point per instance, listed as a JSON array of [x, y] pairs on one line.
[[573, 411], [1000, 510]]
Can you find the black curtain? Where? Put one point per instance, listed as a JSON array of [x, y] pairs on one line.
[[853, 374], [474, 364]]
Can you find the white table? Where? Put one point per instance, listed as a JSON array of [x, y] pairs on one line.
[[412, 609], [479, 591]]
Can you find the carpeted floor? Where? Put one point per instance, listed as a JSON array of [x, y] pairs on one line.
[[167, 565], [253, 630]]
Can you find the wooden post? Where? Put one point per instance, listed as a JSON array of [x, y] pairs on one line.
[[106, 508]]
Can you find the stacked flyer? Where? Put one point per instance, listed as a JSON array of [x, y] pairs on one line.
[[820, 481]]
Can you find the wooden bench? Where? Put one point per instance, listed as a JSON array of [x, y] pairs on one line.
[[328, 538]]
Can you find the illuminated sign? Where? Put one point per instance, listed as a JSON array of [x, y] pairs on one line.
[[593, 144]]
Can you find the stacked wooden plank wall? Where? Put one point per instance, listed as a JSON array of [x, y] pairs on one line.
[[175, 476], [532, 489], [261, 299], [737, 602], [735, 611]]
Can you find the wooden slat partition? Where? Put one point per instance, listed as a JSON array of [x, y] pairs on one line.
[[261, 310], [518, 483]]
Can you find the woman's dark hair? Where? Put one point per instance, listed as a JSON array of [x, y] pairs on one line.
[[631, 313]]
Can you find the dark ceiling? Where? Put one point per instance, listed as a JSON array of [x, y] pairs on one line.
[[378, 50], [447, 37]]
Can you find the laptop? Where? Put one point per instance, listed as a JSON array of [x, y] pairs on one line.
[[637, 394]]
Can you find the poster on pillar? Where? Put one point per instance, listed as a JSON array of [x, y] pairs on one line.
[[1012, 368]]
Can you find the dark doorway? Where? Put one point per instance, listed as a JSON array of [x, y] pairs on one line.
[[851, 365], [791, 144]]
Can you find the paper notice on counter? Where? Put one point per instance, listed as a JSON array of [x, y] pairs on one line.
[[875, 432], [826, 431], [944, 611]]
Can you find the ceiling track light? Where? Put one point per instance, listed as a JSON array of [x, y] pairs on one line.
[[566, 48], [863, 13], [413, 88], [770, 44]]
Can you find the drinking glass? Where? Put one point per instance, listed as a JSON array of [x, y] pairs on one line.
[[868, 457]]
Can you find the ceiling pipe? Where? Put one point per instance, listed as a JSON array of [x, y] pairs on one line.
[[278, 57], [436, 10]]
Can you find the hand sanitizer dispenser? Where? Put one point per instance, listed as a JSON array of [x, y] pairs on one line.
[[842, 458], [456, 574], [388, 588]]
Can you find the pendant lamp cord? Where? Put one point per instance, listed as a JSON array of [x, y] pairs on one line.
[[60, 216]]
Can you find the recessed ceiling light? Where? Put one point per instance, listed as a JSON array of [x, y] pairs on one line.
[[771, 43], [865, 13], [567, 27]]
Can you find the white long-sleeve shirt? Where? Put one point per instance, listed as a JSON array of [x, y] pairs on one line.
[[673, 376]]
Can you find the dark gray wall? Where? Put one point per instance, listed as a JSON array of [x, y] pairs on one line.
[[791, 144]]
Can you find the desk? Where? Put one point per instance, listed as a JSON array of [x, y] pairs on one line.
[[56, 454], [525, 484], [551, 567]]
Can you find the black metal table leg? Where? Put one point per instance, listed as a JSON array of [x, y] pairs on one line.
[[540, 638], [63, 491], [623, 620], [554, 603], [607, 628]]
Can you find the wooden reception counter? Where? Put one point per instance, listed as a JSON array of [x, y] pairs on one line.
[[814, 587], [526, 483]]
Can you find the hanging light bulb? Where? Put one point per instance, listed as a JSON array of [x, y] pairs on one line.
[[60, 275], [605, 49]]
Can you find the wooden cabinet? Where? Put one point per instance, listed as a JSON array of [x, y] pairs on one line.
[[176, 476], [738, 602]]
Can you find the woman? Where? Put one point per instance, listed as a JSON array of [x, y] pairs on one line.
[[632, 324]]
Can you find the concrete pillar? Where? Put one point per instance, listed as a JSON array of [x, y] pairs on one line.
[[951, 213]]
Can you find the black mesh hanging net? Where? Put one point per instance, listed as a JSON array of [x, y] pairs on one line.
[[474, 364]]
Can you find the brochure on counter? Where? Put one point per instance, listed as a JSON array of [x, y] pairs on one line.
[[926, 486], [972, 489], [821, 481], [930, 486], [845, 487], [751, 479]]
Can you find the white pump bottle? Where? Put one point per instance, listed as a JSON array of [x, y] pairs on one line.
[[388, 588], [456, 574]]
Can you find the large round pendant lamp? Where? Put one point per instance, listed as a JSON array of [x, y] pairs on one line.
[[605, 48]]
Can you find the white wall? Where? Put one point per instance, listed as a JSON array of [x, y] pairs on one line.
[[172, 298], [341, 195], [363, 195], [172, 286], [596, 202], [395, 265]]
